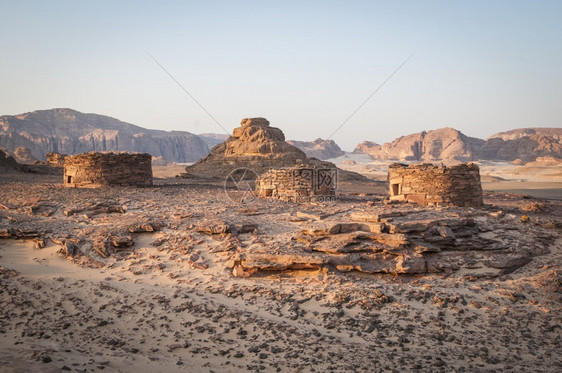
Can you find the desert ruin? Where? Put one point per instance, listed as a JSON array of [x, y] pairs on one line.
[[436, 185], [180, 276], [301, 182], [94, 170]]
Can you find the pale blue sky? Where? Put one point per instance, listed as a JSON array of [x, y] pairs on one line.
[[480, 66]]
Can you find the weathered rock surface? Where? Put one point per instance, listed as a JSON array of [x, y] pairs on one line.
[[446, 144], [8, 163], [319, 148], [406, 241], [554, 133], [366, 147], [451, 146], [71, 132], [23, 155], [332, 311], [257, 146], [525, 144]]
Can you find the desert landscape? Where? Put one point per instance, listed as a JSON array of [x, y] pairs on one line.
[[294, 187], [190, 274]]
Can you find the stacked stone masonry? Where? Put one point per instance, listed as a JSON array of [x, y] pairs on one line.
[[94, 170], [428, 184], [299, 183], [55, 159]]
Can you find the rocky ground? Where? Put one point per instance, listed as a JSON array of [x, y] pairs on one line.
[[180, 277]]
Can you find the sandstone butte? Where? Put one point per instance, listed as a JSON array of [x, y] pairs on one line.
[[257, 146]]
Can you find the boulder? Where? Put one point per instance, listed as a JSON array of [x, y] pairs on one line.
[[23, 155]]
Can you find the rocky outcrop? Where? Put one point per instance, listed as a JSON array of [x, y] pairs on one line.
[[8, 163], [366, 147], [525, 144], [24, 155], [450, 146], [446, 144], [257, 146], [321, 149], [254, 145], [405, 241], [71, 132], [554, 133]]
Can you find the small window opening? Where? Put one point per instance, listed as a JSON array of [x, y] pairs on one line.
[[69, 179], [395, 189]]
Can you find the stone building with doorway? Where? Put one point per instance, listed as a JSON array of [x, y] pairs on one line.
[[94, 170], [302, 182], [428, 184]]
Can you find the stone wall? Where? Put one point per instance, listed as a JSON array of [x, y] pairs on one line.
[[299, 183], [55, 159], [427, 184], [94, 170]]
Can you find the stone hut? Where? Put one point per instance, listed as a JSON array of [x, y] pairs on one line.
[[55, 159], [428, 184], [299, 183], [94, 170]]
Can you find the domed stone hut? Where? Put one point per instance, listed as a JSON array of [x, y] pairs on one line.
[[94, 170], [428, 184], [299, 183]]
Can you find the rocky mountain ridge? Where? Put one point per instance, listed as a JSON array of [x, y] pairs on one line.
[[71, 132], [212, 139], [449, 145], [319, 148]]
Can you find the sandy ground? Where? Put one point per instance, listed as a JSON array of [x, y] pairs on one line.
[[170, 302]]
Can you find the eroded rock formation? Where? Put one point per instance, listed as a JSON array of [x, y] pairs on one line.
[[319, 148], [71, 132], [401, 241], [257, 146], [8, 163], [525, 144], [451, 146], [445, 144], [23, 154]]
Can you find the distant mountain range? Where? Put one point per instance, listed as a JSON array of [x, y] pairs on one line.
[[449, 145], [69, 131], [321, 149], [212, 139]]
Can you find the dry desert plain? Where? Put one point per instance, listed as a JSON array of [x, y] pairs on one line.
[[178, 277]]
